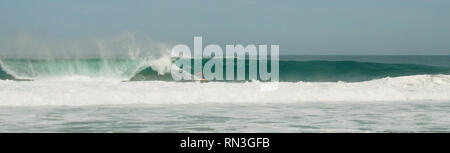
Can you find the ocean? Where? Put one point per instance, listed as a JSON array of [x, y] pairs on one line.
[[332, 93]]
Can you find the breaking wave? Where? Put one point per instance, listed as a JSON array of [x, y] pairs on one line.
[[144, 69]]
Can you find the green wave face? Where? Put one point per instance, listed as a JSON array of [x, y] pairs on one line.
[[324, 71], [5, 76], [138, 70]]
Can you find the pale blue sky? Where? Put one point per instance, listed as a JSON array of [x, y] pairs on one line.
[[298, 26]]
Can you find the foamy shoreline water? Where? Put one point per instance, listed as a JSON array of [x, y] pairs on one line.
[[392, 116]]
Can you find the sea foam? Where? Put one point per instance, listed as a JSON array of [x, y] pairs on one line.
[[81, 91]]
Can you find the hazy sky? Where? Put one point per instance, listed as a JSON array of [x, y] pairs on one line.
[[298, 26]]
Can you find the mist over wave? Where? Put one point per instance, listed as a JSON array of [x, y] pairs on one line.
[[25, 57], [122, 45]]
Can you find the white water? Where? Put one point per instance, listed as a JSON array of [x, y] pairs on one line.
[[82, 91]]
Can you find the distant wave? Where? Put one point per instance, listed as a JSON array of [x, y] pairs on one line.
[[158, 70]]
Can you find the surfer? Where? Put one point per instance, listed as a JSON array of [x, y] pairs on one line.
[[201, 76]]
